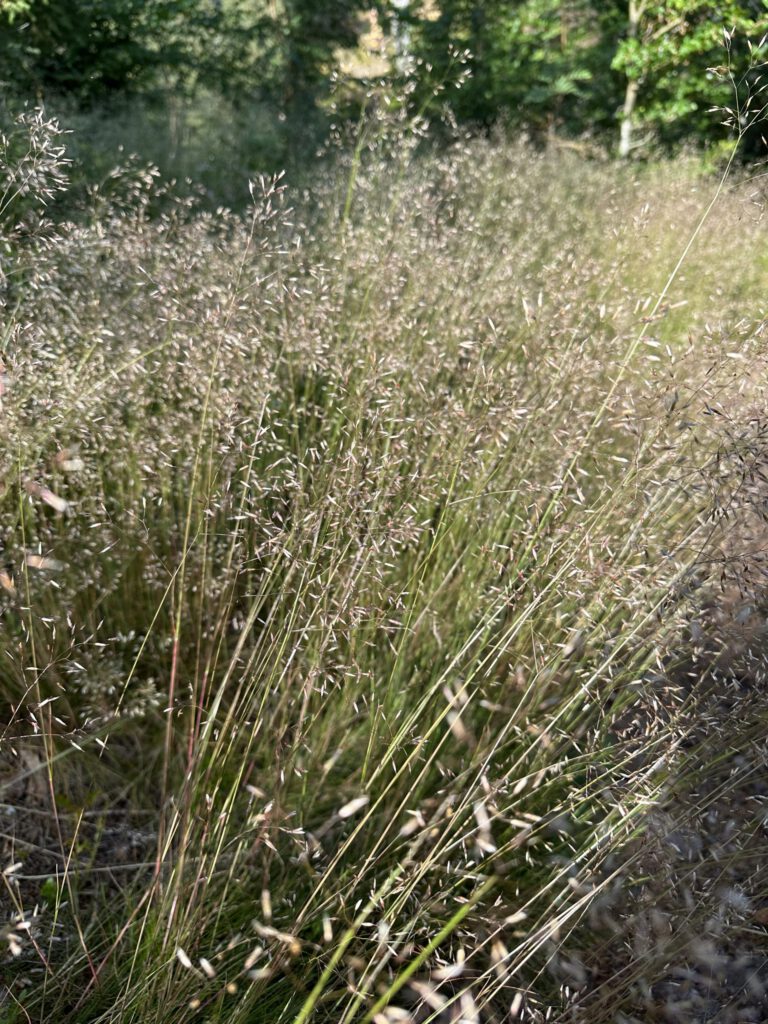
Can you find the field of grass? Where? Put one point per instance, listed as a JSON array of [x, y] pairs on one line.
[[370, 560]]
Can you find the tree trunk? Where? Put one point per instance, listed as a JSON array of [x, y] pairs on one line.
[[633, 86], [625, 136]]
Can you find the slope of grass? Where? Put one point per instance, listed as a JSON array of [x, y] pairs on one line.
[[340, 542]]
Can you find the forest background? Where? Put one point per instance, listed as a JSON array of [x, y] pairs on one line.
[[204, 88]]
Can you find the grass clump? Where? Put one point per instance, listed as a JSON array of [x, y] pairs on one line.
[[345, 545]]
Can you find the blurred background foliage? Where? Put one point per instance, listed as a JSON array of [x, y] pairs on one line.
[[206, 87]]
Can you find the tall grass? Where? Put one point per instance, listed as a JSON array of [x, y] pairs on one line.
[[346, 545]]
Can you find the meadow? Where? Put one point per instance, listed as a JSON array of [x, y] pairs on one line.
[[383, 590]]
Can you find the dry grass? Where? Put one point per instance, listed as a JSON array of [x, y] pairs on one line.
[[345, 546]]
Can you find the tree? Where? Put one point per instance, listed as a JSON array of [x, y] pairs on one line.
[[91, 49], [541, 63], [666, 59], [94, 48]]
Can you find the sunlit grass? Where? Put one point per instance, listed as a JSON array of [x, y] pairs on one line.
[[344, 555]]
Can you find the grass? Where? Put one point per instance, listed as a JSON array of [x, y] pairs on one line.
[[346, 544]]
